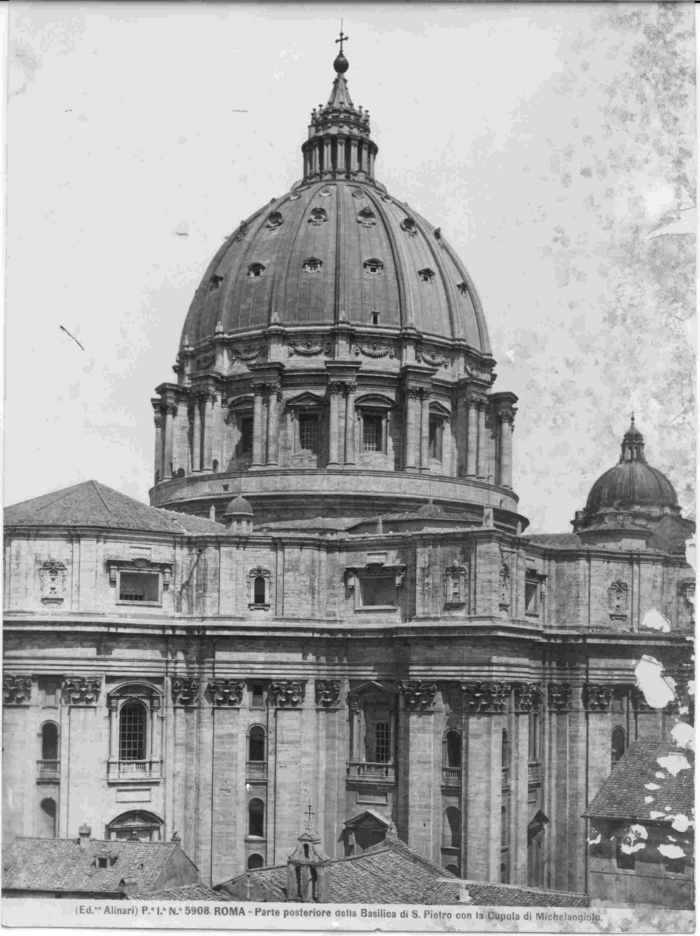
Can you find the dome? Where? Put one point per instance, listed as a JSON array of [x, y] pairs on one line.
[[632, 482], [239, 507], [337, 248]]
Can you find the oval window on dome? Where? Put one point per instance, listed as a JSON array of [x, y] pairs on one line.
[[427, 275], [274, 221], [256, 269], [367, 218], [294, 196], [386, 197], [312, 265], [373, 265], [358, 193], [409, 226], [318, 216], [324, 193]]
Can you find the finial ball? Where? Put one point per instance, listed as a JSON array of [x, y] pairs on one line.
[[341, 64]]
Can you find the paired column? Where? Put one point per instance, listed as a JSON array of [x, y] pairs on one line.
[[412, 397], [353, 155], [481, 449], [208, 404], [506, 416], [273, 428], [258, 391], [472, 437], [425, 432], [350, 391], [158, 456], [197, 434], [169, 410]]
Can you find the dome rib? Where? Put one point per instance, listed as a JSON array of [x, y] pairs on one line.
[[434, 250], [484, 340], [406, 312]]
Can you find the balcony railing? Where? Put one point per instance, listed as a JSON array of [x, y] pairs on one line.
[[452, 776], [372, 772], [256, 770], [535, 771], [135, 769], [48, 769]]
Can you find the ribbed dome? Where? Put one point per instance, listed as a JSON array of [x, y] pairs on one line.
[[632, 482], [239, 507], [310, 259]]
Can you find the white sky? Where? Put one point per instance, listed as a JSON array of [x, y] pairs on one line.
[[519, 129]]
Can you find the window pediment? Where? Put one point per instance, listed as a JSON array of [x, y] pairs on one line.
[[306, 400], [374, 401]]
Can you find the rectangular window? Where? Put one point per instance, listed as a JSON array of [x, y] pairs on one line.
[[139, 586], [378, 591], [308, 432], [618, 701], [535, 730], [245, 442], [257, 696], [675, 865], [532, 589], [372, 432], [381, 743], [435, 438], [625, 861]]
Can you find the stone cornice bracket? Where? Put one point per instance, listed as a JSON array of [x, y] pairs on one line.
[[82, 690], [559, 696], [485, 698], [596, 698], [225, 692], [528, 697], [413, 392], [16, 690], [185, 692], [287, 694], [327, 693], [417, 694]]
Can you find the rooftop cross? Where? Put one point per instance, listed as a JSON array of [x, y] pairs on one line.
[[309, 816], [342, 38]]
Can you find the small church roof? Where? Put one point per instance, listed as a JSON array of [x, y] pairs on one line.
[[625, 794], [92, 504]]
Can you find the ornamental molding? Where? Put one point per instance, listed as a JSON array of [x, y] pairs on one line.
[[185, 692], [205, 361], [618, 600], [287, 694], [432, 358], [485, 698], [82, 690], [528, 697], [52, 580], [417, 694], [559, 696], [455, 585], [248, 352], [16, 690], [308, 348], [596, 697], [327, 693], [226, 692], [373, 569], [374, 350]]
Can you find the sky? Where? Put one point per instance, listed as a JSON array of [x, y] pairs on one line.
[[553, 144]]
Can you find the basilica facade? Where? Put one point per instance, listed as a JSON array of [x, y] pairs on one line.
[[333, 601]]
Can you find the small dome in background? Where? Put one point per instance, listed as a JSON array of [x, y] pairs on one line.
[[239, 507]]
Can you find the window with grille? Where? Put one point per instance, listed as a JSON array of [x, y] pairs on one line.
[[381, 743], [245, 442], [308, 432], [139, 586], [132, 732], [257, 696], [372, 440], [435, 438]]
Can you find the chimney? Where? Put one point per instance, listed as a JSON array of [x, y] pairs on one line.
[[212, 512], [84, 832], [128, 887], [176, 838], [464, 895]]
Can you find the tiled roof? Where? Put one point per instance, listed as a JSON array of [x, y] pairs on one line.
[[391, 872], [94, 505], [311, 523], [626, 794], [502, 895], [558, 540], [66, 865], [186, 892]]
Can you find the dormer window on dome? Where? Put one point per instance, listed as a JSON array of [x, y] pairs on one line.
[[318, 216], [373, 265], [312, 265], [215, 282], [256, 269], [409, 226], [463, 289], [367, 218], [274, 221], [427, 275]]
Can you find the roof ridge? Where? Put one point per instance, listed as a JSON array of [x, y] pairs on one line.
[[97, 486]]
